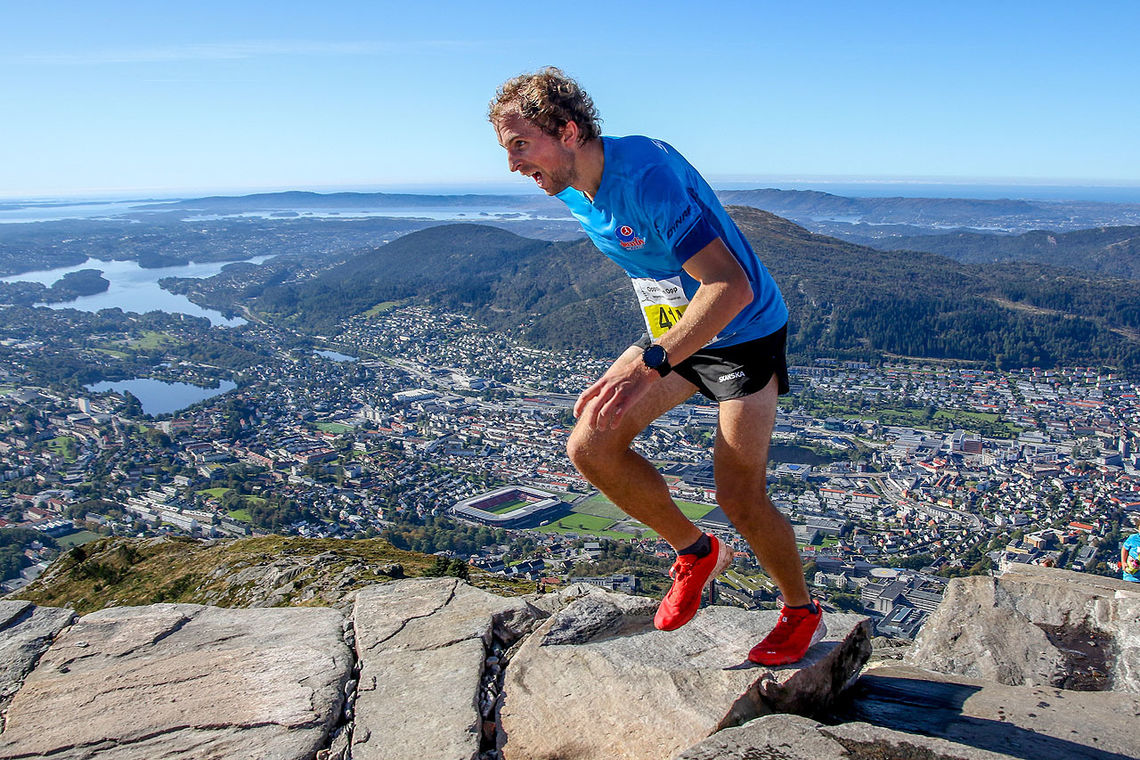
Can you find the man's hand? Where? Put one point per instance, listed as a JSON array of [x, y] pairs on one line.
[[723, 291], [603, 403]]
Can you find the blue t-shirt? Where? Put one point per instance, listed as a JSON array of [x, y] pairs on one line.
[[1131, 569], [651, 213]]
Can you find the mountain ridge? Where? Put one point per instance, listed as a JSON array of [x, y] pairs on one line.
[[845, 299]]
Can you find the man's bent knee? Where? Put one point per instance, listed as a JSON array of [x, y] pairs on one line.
[[589, 446]]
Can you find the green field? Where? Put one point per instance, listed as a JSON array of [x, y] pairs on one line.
[[986, 423], [63, 446], [587, 525], [598, 516], [747, 582], [381, 307], [334, 427], [151, 340], [216, 493], [77, 538], [241, 515], [599, 506], [510, 506]]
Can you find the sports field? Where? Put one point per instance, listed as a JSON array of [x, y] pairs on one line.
[[510, 506], [598, 516], [588, 525]]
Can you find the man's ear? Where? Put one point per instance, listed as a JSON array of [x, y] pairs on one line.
[[571, 135]]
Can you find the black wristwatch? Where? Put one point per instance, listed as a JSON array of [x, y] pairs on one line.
[[656, 358]]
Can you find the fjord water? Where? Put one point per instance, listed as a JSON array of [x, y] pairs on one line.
[[136, 289]]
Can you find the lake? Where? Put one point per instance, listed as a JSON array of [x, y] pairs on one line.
[[160, 397], [136, 289], [336, 357]]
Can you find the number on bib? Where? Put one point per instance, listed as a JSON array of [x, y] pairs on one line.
[[660, 318]]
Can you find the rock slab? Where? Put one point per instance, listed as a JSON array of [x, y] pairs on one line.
[[792, 737], [1012, 721], [622, 690], [26, 631], [422, 645], [1036, 627], [182, 680]]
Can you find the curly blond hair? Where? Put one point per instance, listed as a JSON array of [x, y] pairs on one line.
[[548, 99]]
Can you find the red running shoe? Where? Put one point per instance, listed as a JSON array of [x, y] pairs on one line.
[[795, 633], [690, 576]]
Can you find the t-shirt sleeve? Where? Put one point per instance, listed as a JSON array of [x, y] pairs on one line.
[[677, 219]]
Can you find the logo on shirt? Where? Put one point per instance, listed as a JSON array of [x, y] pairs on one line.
[[629, 239], [679, 221]]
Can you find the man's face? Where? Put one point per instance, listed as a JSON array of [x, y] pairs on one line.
[[549, 161]]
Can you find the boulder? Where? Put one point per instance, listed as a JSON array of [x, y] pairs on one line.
[[183, 680], [422, 646], [593, 682], [791, 737], [1036, 626], [26, 631], [1013, 721]]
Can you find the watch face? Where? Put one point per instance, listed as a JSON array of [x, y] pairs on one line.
[[654, 356]]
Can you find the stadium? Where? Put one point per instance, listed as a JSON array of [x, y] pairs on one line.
[[510, 507]]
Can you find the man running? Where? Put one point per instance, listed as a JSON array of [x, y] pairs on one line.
[[717, 323]]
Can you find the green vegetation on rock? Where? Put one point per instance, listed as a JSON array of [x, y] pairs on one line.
[[263, 571]]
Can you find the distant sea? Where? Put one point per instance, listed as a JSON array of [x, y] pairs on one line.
[[14, 210]]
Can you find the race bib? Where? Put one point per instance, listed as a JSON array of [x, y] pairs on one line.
[[662, 303]]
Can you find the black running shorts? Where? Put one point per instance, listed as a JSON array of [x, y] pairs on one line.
[[736, 371]]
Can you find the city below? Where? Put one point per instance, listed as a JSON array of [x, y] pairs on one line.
[[895, 476]]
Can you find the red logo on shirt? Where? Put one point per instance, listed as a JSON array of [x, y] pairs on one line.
[[627, 238]]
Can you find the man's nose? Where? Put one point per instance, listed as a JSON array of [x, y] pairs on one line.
[[512, 162]]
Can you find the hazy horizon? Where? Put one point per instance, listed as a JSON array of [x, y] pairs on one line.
[[983, 189]]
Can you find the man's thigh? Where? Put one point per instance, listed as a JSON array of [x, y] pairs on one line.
[[743, 435]]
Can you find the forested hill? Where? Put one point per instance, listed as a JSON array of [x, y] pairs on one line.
[[845, 299], [1110, 251], [854, 300], [561, 294]]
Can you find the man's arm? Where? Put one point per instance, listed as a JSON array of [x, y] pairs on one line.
[[723, 292]]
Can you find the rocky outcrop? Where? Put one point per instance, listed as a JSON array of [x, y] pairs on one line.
[[434, 668], [1037, 626], [179, 681], [791, 737], [26, 631], [1017, 721], [597, 680], [423, 645]]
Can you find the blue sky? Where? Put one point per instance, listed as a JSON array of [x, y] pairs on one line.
[[106, 97]]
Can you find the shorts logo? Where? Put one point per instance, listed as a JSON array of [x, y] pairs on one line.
[[627, 238], [731, 376]]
